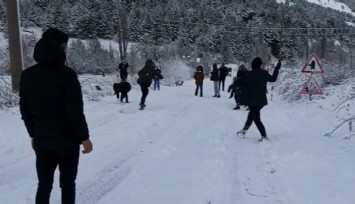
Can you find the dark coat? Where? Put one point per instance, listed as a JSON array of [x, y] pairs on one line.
[[157, 74], [215, 75], [146, 74], [123, 68], [223, 72], [240, 90], [199, 76], [123, 87], [51, 102], [255, 82]]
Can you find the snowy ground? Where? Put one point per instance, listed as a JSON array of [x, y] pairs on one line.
[[183, 150]]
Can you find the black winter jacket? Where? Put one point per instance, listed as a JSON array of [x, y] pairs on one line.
[[214, 75], [223, 72], [146, 75], [51, 102], [255, 82]]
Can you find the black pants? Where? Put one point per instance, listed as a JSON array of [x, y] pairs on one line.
[[145, 92], [199, 87], [46, 163], [123, 95], [221, 81], [254, 115]]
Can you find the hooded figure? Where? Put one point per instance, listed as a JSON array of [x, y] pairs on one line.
[[145, 77], [199, 76], [215, 79], [123, 69], [223, 73], [238, 90], [51, 107], [255, 82]]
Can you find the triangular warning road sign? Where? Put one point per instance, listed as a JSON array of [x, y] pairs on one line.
[[312, 65], [311, 87]]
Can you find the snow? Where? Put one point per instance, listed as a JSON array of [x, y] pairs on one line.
[[183, 150], [333, 4], [350, 24]]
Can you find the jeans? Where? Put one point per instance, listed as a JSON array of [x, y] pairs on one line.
[[199, 87], [46, 162], [216, 88], [156, 84]]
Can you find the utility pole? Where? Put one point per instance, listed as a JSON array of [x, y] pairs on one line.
[[13, 27]]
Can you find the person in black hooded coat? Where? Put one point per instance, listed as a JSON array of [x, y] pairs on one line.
[[255, 82], [123, 69], [51, 107], [145, 78]]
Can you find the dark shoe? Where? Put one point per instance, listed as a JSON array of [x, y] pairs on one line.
[[219, 96], [215, 96], [236, 108]]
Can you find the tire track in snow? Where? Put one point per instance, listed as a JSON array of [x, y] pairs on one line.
[[116, 172], [108, 178]]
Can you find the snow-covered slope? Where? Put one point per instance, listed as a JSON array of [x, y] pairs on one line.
[[329, 4]]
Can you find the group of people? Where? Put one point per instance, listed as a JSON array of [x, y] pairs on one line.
[[149, 73], [218, 76], [248, 88], [51, 107]]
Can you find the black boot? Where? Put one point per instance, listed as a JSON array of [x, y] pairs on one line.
[[237, 107]]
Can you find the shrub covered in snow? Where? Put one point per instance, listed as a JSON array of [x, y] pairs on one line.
[[7, 97]]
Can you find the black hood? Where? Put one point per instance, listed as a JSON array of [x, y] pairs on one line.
[[48, 52], [256, 63]]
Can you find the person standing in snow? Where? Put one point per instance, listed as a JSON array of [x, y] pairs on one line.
[[157, 78], [199, 76], [215, 79], [238, 90], [255, 82], [123, 69], [223, 73], [145, 77], [51, 107]]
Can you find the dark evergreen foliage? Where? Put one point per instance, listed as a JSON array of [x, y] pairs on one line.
[[228, 30]]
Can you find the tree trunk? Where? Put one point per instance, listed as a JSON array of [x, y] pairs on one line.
[[122, 34], [14, 43]]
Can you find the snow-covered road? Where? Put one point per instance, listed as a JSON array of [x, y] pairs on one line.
[[183, 149]]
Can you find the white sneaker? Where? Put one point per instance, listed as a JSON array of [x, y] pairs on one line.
[[241, 133]]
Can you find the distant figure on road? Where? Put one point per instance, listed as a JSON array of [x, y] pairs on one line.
[[199, 76], [223, 73], [215, 79]]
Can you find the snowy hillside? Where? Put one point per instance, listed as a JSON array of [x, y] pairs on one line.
[[333, 4], [183, 150]]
